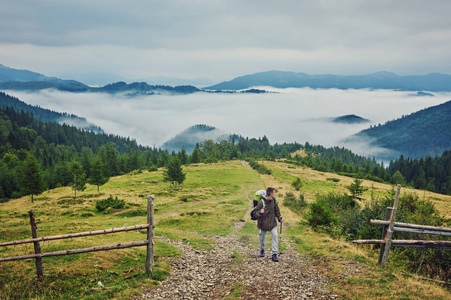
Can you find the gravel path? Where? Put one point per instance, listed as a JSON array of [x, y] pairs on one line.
[[234, 264]]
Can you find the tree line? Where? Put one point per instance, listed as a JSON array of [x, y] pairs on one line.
[[63, 155]]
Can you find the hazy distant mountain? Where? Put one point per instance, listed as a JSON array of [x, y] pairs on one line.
[[350, 119], [47, 115], [163, 80], [194, 135], [15, 75], [382, 80], [424, 133]]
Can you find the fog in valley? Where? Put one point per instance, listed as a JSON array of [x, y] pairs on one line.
[[287, 115]]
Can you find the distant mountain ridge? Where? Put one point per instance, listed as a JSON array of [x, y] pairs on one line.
[[15, 75], [433, 82], [420, 134]]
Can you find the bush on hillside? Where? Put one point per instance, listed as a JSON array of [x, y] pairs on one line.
[[293, 203], [259, 167], [340, 216], [115, 203], [297, 184]]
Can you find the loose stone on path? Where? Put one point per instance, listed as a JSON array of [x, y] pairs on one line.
[[214, 274]]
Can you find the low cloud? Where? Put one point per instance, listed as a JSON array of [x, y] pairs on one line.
[[290, 115]]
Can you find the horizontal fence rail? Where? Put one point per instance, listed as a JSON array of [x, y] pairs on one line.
[[390, 226], [408, 243], [149, 242], [77, 251], [415, 228], [74, 235]]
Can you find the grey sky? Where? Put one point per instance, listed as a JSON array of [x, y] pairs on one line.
[[224, 39]]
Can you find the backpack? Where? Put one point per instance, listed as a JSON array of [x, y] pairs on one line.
[[259, 195]]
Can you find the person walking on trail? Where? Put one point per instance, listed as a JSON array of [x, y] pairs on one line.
[[268, 212]]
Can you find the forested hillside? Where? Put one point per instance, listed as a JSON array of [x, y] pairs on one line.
[[54, 151], [431, 173], [46, 115], [421, 134]]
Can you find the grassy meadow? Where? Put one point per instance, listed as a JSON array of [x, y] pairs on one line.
[[211, 200]]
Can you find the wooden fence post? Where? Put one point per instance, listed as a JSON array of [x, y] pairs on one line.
[[37, 246], [389, 233], [388, 213], [150, 233]]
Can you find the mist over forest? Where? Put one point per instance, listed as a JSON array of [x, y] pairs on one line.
[[289, 115]]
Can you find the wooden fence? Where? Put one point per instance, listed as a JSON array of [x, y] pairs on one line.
[[390, 226], [37, 248]]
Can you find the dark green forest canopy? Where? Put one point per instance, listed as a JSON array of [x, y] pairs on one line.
[[421, 134]]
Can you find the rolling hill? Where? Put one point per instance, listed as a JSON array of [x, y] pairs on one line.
[[194, 135]]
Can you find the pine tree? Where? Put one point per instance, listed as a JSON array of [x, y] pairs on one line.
[[183, 157], [174, 173], [32, 182], [356, 189], [195, 156], [79, 183], [97, 177]]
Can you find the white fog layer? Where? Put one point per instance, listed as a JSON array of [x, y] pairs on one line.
[[290, 115]]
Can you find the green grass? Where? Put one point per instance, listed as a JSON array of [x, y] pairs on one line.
[[212, 199], [216, 196], [235, 291]]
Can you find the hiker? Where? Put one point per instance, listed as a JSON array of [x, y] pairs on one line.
[[268, 213]]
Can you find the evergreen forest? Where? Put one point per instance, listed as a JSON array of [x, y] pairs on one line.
[[37, 154]]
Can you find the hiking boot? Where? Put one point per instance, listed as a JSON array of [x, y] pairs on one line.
[[262, 253], [274, 258]]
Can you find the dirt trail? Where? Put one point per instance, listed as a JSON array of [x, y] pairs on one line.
[[234, 264]]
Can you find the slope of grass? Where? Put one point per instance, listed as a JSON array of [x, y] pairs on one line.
[[212, 199], [352, 270]]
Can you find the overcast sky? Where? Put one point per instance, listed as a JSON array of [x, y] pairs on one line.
[[99, 41]]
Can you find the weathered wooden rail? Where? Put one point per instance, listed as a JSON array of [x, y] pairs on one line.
[[37, 249], [391, 226]]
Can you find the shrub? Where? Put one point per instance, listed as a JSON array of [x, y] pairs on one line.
[[320, 215], [293, 203], [153, 169], [115, 203], [259, 168], [297, 184], [333, 179]]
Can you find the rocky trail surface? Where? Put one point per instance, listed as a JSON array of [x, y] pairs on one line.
[[234, 269]]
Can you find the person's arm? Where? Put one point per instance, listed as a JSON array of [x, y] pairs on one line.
[[257, 209], [277, 212]]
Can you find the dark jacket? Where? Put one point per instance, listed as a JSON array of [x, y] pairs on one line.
[[268, 222]]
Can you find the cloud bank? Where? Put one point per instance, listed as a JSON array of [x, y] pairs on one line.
[[93, 40], [290, 115]]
